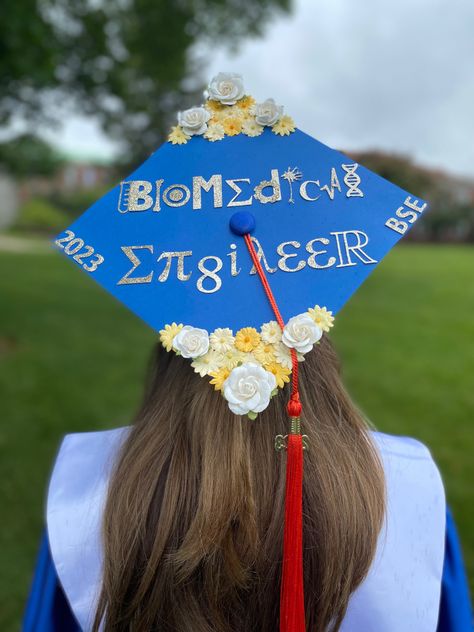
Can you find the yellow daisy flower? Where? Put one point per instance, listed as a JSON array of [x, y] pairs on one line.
[[214, 132], [219, 377], [213, 106], [167, 335], [236, 111], [285, 126], [251, 128], [222, 339], [264, 353], [207, 363], [271, 332], [177, 136], [281, 373], [231, 358], [247, 339], [322, 317], [232, 125], [247, 357], [246, 102], [217, 117]]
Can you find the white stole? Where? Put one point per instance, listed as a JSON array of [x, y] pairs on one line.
[[401, 591]]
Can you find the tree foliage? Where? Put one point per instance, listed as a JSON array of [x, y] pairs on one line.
[[450, 216], [26, 155], [130, 62]]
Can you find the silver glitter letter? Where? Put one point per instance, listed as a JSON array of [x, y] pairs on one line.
[[134, 196], [261, 258], [314, 253], [234, 270], [334, 185], [284, 256], [199, 183], [238, 191], [274, 183], [169, 256], [129, 252]]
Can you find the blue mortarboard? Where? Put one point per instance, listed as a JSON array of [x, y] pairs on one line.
[[237, 200], [161, 242], [167, 241], [238, 240]]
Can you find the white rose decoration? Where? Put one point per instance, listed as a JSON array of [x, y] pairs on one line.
[[268, 112], [194, 121], [301, 332], [248, 388], [191, 342], [226, 87]]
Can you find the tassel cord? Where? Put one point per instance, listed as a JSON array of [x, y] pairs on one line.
[[294, 405]]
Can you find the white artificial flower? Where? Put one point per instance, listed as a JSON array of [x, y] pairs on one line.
[[191, 342], [222, 339], [268, 112], [226, 87], [194, 121], [207, 363], [248, 388], [301, 332], [271, 332]]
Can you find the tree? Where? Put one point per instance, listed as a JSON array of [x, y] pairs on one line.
[[450, 216], [28, 155], [130, 62]]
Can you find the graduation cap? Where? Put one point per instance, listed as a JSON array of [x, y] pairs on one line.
[[238, 241]]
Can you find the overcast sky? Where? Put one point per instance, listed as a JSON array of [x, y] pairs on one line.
[[396, 75]]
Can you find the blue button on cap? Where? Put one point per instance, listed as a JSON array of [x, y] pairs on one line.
[[242, 223]]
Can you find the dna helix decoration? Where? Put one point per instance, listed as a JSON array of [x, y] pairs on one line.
[[352, 180]]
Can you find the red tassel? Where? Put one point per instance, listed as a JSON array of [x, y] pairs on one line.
[[292, 593], [292, 617]]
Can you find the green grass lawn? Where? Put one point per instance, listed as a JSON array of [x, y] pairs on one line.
[[73, 359]]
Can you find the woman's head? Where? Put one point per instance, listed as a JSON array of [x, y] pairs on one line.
[[193, 525]]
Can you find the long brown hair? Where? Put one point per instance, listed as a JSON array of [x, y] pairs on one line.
[[193, 523]]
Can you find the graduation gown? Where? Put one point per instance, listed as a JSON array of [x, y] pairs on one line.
[[416, 581]]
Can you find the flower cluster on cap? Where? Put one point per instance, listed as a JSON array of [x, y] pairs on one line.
[[249, 367], [228, 111]]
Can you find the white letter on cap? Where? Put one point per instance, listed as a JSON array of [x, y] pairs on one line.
[[396, 225], [356, 249], [304, 192], [414, 205]]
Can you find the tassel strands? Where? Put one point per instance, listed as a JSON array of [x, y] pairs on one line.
[[292, 615]]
